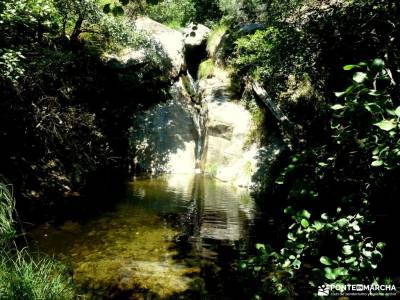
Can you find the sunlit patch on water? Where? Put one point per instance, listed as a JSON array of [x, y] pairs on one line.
[[157, 241]]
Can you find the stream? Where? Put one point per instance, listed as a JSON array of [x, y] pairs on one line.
[[171, 237]]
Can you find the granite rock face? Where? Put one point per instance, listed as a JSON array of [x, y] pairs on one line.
[[164, 136], [227, 155], [201, 128], [164, 42], [195, 35], [170, 40]]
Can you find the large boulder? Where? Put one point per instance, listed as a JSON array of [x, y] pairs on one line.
[[196, 35], [171, 41], [164, 48], [126, 59], [164, 137]]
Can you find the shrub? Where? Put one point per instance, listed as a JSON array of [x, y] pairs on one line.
[[25, 277], [206, 68], [173, 13], [339, 183], [214, 39], [7, 231]]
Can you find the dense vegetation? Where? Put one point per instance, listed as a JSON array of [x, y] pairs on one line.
[[332, 66], [64, 113], [339, 179], [24, 275]]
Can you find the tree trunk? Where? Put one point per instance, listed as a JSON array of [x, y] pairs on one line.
[[74, 38]]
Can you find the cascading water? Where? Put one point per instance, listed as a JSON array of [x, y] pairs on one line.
[[199, 117], [201, 128]]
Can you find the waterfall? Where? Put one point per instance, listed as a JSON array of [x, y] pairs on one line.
[[202, 128], [199, 117]]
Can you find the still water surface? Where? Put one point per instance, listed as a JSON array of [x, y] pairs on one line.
[[172, 237]]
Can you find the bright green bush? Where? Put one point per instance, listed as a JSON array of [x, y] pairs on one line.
[[264, 54], [173, 13], [256, 52], [10, 62], [25, 277], [215, 38]]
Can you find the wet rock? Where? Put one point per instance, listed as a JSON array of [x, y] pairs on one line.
[[227, 156]]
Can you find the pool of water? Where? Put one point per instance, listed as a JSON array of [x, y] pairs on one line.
[[172, 237]]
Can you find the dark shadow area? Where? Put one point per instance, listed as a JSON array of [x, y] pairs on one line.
[[194, 55]]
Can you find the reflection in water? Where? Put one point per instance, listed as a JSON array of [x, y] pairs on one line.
[[158, 242]]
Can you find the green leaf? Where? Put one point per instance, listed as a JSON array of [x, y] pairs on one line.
[[355, 226], [377, 163], [380, 245], [347, 250], [374, 93], [342, 222], [305, 214], [325, 260], [286, 263], [260, 247], [350, 67], [377, 254], [107, 8], [340, 271], [397, 111], [378, 64], [318, 225], [350, 260], [337, 106], [386, 125], [297, 264], [288, 210], [372, 107], [329, 274], [304, 223], [291, 236], [124, 2], [340, 94], [359, 77], [367, 253]]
